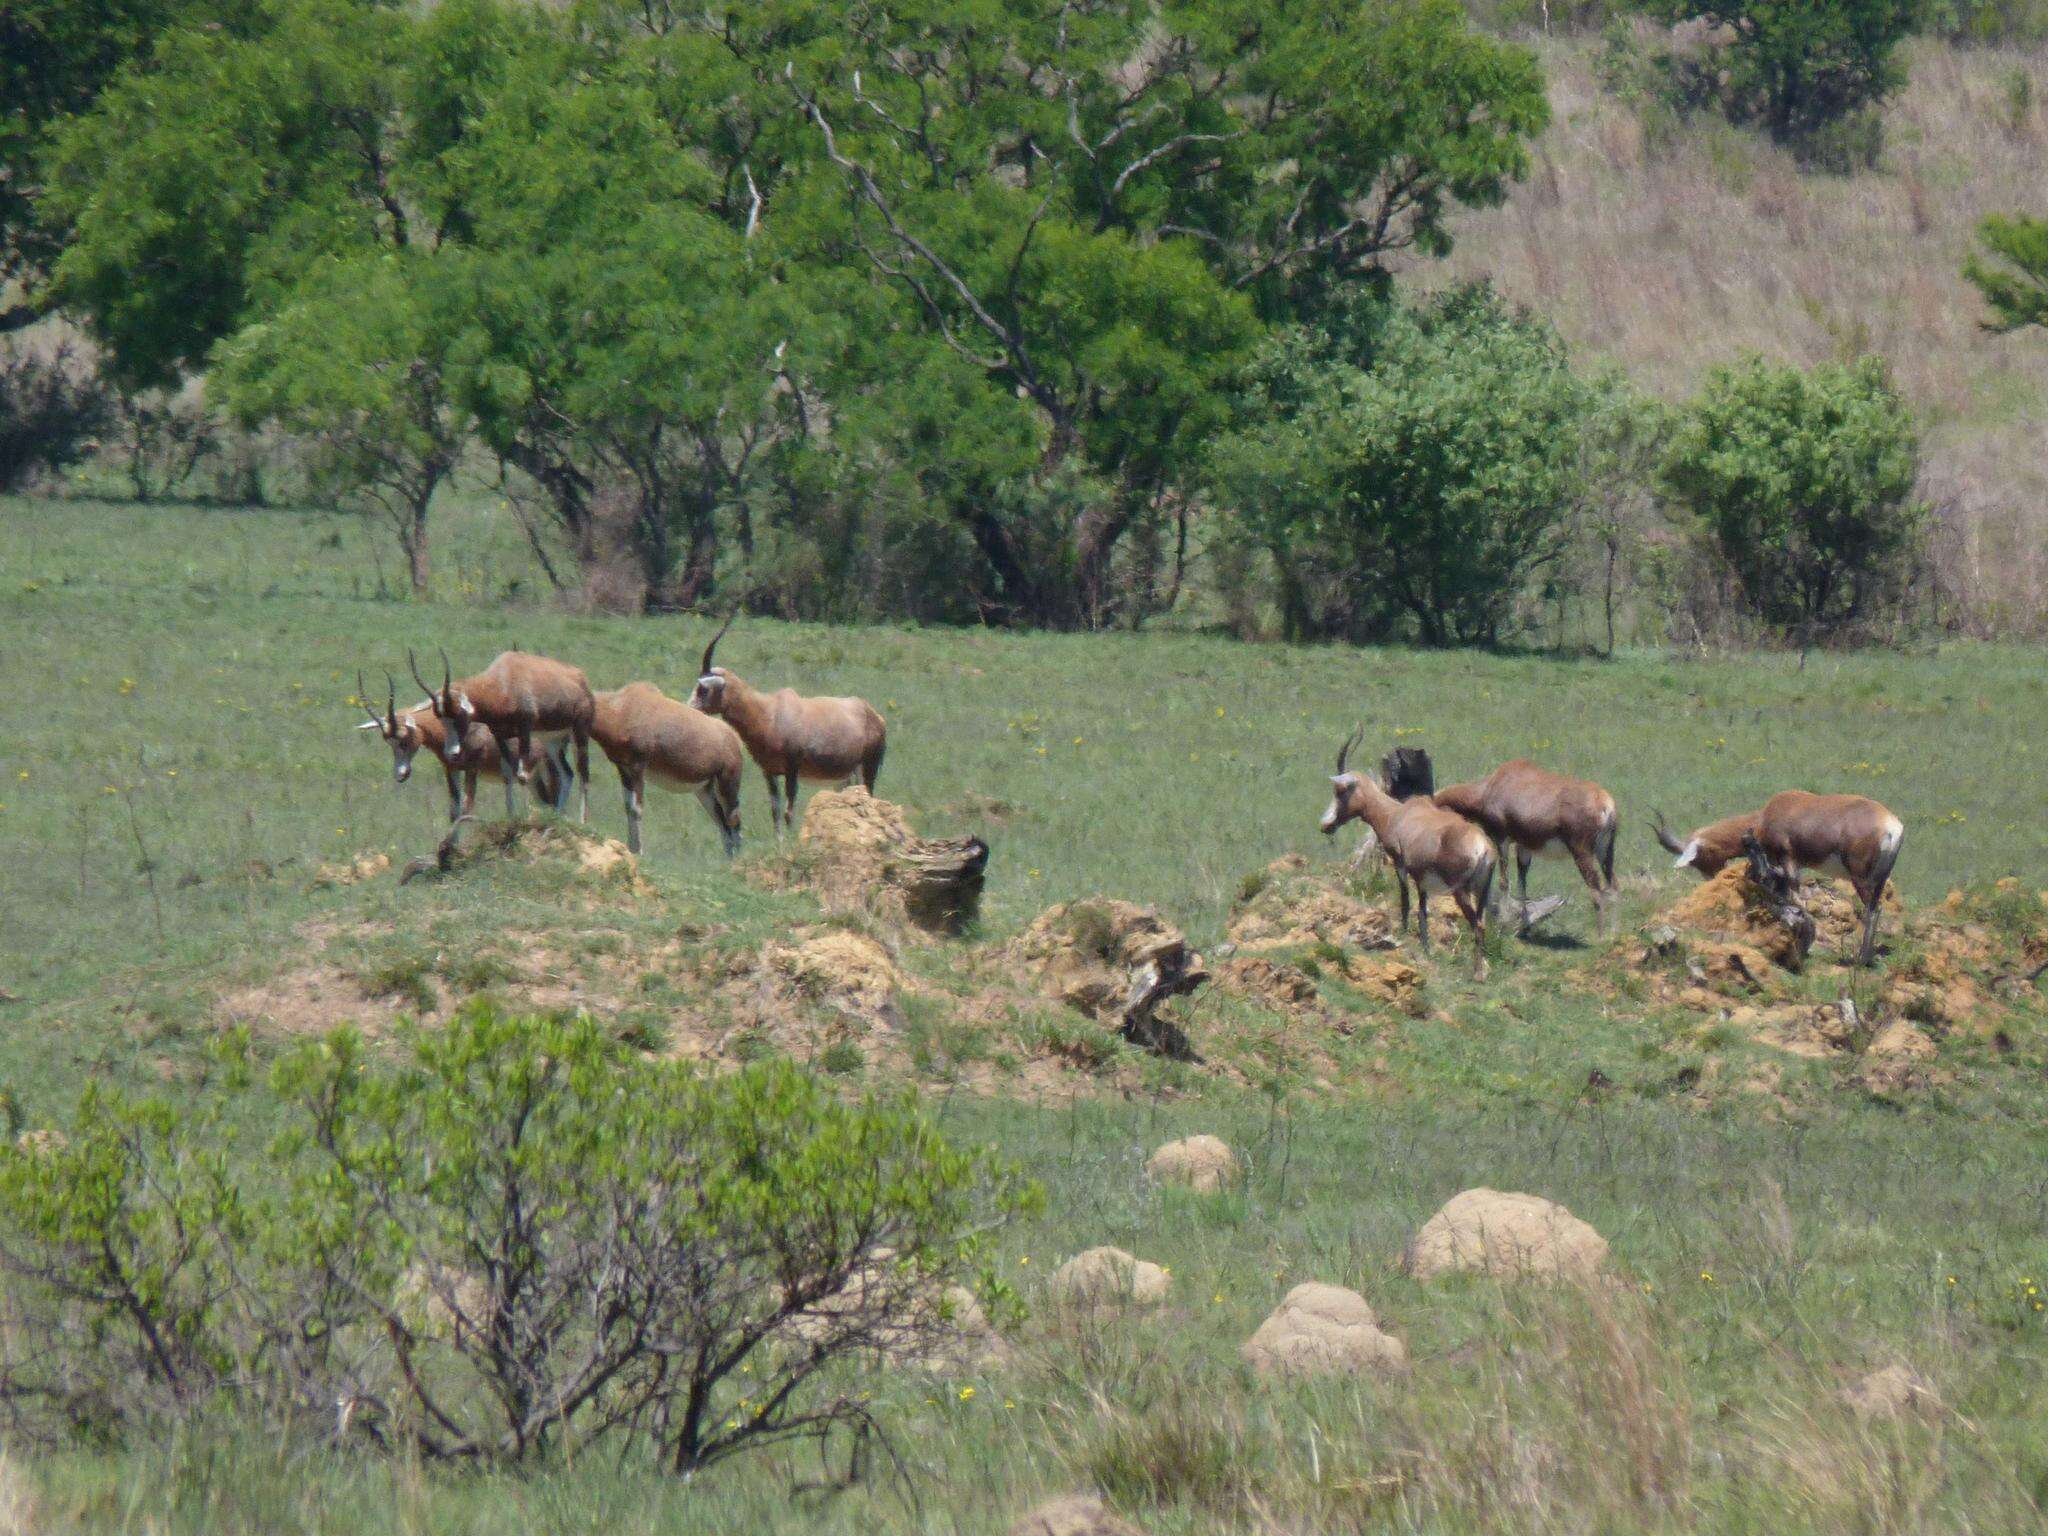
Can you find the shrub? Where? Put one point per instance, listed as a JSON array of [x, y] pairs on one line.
[[521, 1239], [1810, 74], [1804, 481], [1414, 472], [50, 408]]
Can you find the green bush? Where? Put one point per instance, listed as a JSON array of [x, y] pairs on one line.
[[519, 1239], [1414, 473], [1804, 481], [1810, 74]]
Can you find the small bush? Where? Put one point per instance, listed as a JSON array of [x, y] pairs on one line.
[[518, 1240], [51, 407], [1804, 482]]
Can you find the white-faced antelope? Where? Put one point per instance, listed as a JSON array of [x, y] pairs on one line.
[[790, 737], [648, 735], [408, 732], [1849, 835], [1709, 849], [1543, 814], [1437, 849], [519, 698]]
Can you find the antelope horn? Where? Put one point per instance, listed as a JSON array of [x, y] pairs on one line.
[[705, 669], [447, 672], [363, 697], [1344, 752], [391, 699], [413, 662], [1669, 843]]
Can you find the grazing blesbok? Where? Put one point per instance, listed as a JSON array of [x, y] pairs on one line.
[[1849, 835], [519, 698], [1709, 849], [1543, 814], [648, 735], [408, 732], [1436, 849], [791, 737]]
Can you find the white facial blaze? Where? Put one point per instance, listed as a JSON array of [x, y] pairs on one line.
[[1692, 851]]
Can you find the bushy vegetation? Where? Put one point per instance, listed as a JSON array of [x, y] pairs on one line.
[[51, 408], [521, 1241]]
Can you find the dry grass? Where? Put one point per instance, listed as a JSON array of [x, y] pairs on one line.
[[1669, 252]]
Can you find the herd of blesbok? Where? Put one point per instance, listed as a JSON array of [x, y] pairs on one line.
[[522, 715]]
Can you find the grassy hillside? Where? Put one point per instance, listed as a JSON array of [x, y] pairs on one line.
[[1670, 251], [178, 761]]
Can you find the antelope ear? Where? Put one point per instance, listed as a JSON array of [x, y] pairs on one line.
[[369, 725], [1692, 851], [1337, 778]]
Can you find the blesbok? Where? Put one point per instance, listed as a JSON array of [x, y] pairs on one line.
[[519, 698], [410, 731], [1709, 849], [791, 737], [1849, 835], [1434, 848], [1543, 815], [648, 735]]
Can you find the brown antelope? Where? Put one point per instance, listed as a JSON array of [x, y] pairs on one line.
[[409, 731], [791, 737], [1709, 849], [1543, 814], [1849, 835], [1435, 848], [647, 734], [519, 698]]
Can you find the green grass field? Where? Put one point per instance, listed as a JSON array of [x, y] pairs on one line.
[[178, 757]]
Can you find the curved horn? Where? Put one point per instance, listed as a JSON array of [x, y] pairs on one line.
[[363, 696], [413, 662], [1670, 843], [706, 667], [447, 672], [391, 699], [1344, 752]]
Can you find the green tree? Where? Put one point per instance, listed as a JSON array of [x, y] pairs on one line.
[[2013, 276], [1416, 467], [1804, 480], [1800, 68]]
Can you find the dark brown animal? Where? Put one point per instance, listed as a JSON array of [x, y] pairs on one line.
[[519, 698], [1543, 814], [1709, 849], [1435, 849], [648, 735], [791, 737], [410, 731]]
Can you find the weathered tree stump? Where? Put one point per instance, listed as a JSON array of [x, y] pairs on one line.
[[1781, 890], [940, 881], [1173, 972]]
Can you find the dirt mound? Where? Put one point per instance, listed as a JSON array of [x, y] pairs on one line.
[[858, 853], [582, 857], [1893, 1392], [1731, 906], [1085, 953], [1272, 983], [1075, 1515], [848, 972], [1107, 1280], [1202, 1163], [906, 1320], [364, 866], [1393, 982], [1898, 1060], [1286, 906], [1511, 1236], [1320, 1330]]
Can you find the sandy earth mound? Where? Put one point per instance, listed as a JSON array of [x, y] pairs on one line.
[[1898, 1059], [907, 1321], [1202, 1163], [1286, 906], [364, 866], [1511, 1236], [1107, 1280], [858, 852], [1075, 1515], [848, 972], [1322, 1330], [1893, 1392], [1084, 953], [1730, 905]]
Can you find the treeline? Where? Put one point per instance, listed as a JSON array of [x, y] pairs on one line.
[[957, 312]]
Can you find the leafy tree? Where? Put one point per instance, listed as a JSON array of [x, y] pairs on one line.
[[1805, 481], [1800, 68], [2014, 280], [1419, 466]]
